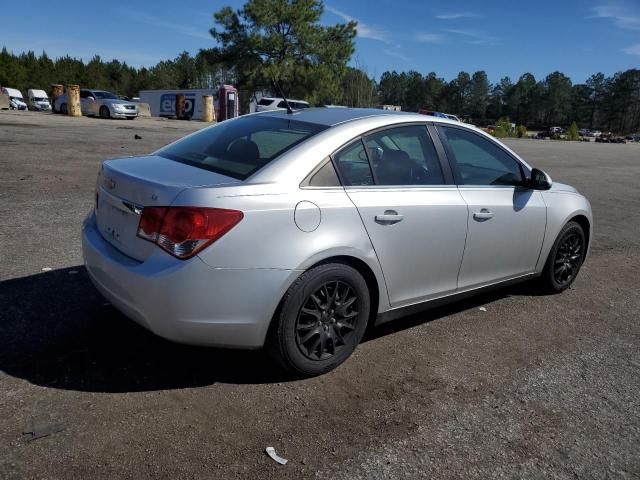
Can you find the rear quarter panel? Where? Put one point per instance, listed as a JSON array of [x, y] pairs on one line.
[[268, 237]]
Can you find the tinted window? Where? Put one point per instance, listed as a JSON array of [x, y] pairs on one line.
[[265, 101], [325, 177], [353, 164], [480, 161], [241, 147], [404, 156]]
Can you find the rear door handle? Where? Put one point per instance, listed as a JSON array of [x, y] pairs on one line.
[[483, 214], [389, 217]]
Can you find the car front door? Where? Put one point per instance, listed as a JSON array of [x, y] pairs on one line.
[[507, 220], [415, 219]]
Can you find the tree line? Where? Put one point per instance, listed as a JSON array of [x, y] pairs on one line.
[[605, 103], [279, 42]]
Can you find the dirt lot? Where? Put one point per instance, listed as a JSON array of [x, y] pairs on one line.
[[535, 386]]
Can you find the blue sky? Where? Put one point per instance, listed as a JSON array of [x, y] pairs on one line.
[[577, 37]]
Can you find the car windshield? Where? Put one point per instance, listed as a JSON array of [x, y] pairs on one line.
[[240, 147], [106, 95], [40, 99]]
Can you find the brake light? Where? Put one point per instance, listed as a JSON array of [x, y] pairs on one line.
[[184, 231]]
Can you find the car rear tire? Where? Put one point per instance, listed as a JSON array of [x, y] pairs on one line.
[[565, 259], [322, 319], [63, 109], [104, 112]]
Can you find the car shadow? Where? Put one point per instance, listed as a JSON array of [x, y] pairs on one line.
[[57, 331]]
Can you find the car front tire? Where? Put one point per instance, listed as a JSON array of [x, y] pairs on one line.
[[322, 319], [104, 112], [565, 258]]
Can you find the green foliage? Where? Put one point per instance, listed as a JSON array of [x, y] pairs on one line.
[[504, 128], [572, 133], [283, 40], [521, 131]]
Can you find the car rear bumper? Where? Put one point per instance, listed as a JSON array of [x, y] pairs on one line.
[[186, 301]]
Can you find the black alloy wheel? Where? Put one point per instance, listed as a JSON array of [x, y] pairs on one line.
[[321, 320], [568, 258], [565, 258], [327, 320]]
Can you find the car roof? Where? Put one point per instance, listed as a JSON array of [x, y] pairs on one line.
[[334, 116]]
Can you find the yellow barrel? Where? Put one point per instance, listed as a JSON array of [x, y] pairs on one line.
[[208, 113], [73, 101]]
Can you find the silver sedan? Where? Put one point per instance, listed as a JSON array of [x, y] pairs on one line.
[[296, 231], [99, 103]]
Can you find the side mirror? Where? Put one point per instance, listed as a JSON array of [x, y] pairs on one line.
[[539, 180]]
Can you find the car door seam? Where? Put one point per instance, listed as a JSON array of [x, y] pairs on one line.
[[466, 238]]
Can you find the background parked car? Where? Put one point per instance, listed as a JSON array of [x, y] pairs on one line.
[[271, 103], [99, 103], [594, 133], [38, 100], [634, 137], [16, 100]]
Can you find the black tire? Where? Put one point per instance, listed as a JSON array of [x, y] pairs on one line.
[[63, 109], [565, 259], [337, 322], [104, 112]]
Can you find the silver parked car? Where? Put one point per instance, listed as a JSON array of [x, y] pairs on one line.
[[99, 103], [297, 231]]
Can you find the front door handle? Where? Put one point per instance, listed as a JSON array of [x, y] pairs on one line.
[[483, 214], [389, 217]]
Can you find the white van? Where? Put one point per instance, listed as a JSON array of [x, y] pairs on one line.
[[16, 101], [38, 100]]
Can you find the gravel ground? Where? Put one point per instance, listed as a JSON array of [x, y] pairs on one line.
[[535, 386]]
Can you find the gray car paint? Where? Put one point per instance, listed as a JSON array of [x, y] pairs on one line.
[[436, 251]]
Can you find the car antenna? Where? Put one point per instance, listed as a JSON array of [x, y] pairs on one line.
[[278, 90]]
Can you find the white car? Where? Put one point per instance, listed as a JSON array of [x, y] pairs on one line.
[[272, 103], [594, 133]]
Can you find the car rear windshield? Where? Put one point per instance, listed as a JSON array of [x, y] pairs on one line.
[[240, 147]]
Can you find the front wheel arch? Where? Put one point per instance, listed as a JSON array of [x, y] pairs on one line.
[[586, 227]]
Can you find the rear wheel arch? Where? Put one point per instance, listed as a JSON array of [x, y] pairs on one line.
[[360, 266]]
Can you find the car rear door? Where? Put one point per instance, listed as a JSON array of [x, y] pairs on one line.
[[507, 220], [414, 215]]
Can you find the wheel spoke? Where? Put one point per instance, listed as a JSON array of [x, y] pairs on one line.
[[308, 335], [314, 313]]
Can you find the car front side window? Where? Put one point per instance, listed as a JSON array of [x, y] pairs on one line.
[[479, 161]]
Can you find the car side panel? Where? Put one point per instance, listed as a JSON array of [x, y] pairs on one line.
[[271, 234]]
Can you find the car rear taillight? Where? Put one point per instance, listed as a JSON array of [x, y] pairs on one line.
[[184, 231]]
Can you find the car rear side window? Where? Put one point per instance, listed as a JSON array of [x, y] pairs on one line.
[[479, 161], [241, 147], [265, 102], [353, 164]]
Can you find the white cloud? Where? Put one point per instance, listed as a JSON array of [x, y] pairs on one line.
[[474, 37], [429, 37], [632, 50], [456, 15], [183, 29], [364, 30], [622, 16], [396, 54]]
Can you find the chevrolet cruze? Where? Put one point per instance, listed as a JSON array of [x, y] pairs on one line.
[[296, 231]]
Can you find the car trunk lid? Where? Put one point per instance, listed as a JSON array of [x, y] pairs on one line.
[[126, 186]]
